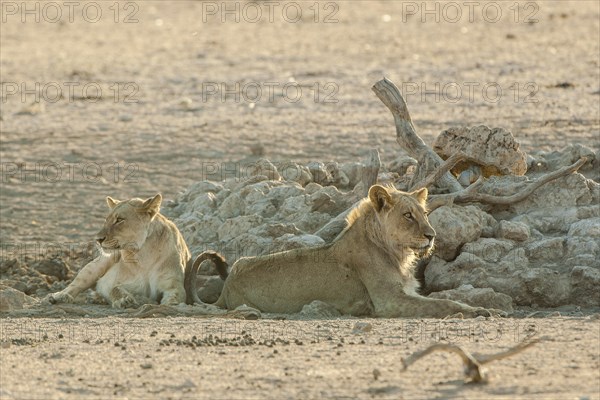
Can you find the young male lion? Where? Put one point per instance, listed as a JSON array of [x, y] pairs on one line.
[[367, 270], [144, 259]]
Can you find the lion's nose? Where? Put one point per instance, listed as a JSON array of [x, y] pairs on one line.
[[430, 237], [100, 240]]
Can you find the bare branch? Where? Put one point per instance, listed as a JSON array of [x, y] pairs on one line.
[[510, 352], [406, 136], [438, 173], [370, 172], [470, 195], [473, 365]]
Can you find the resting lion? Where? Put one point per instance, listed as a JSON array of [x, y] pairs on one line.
[[366, 270], [144, 259]]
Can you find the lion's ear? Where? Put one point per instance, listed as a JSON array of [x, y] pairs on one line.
[[379, 196], [152, 205], [112, 203], [420, 195]]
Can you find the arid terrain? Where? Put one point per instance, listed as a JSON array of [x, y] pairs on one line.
[[129, 99]]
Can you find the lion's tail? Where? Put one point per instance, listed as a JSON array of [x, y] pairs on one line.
[[191, 270]]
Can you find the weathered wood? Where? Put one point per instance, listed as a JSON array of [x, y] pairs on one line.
[[370, 172], [473, 364], [437, 174], [471, 195], [407, 137]]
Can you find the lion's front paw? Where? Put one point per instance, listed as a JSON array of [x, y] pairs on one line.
[[127, 301], [59, 297], [483, 312]]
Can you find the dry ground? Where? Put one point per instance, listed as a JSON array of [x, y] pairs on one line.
[[156, 127], [175, 358]]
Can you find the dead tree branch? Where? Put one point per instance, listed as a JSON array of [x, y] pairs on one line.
[[470, 194], [407, 137], [370, 172], [473, 364], [438, 173]]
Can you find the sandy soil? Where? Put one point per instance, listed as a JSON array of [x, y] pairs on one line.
[[143, 110], [233, 359]]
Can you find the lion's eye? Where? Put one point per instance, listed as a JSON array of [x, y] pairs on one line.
[[408, 215], [119, 220]]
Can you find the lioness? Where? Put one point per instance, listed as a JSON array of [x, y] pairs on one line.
[[366, 270], [145, 259]]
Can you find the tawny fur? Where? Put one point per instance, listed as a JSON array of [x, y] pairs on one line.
[[366, 270], [143, 258]]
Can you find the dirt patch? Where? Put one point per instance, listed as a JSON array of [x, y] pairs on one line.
[[161, 124]]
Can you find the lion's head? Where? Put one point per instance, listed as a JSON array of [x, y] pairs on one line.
[[127, 225], [402, 219]]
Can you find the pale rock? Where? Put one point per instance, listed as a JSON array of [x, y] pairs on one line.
[[354, 171], [577, 246], [232, 206], [456, 226], [264, 167], [295, 173], [443, 275], [275, 230], [12, 299], [264, 207], [587, 260], [235, 226], [311, 222], [546, 250], [549, 220], [589, 228], [516, 260], [566, 156], [202, 187], [53, 267], [586, 286], [338, 176], [319, 173], [294, 205], [205, 203], [488, 249], [512, 230], [568, 191], [495, 150], [280, 193], [402, 164], [208, 226], [312, 188], [545, 287], [246, 245]]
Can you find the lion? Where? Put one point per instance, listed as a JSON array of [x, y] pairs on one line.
[[366, 271], [144, 259]]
